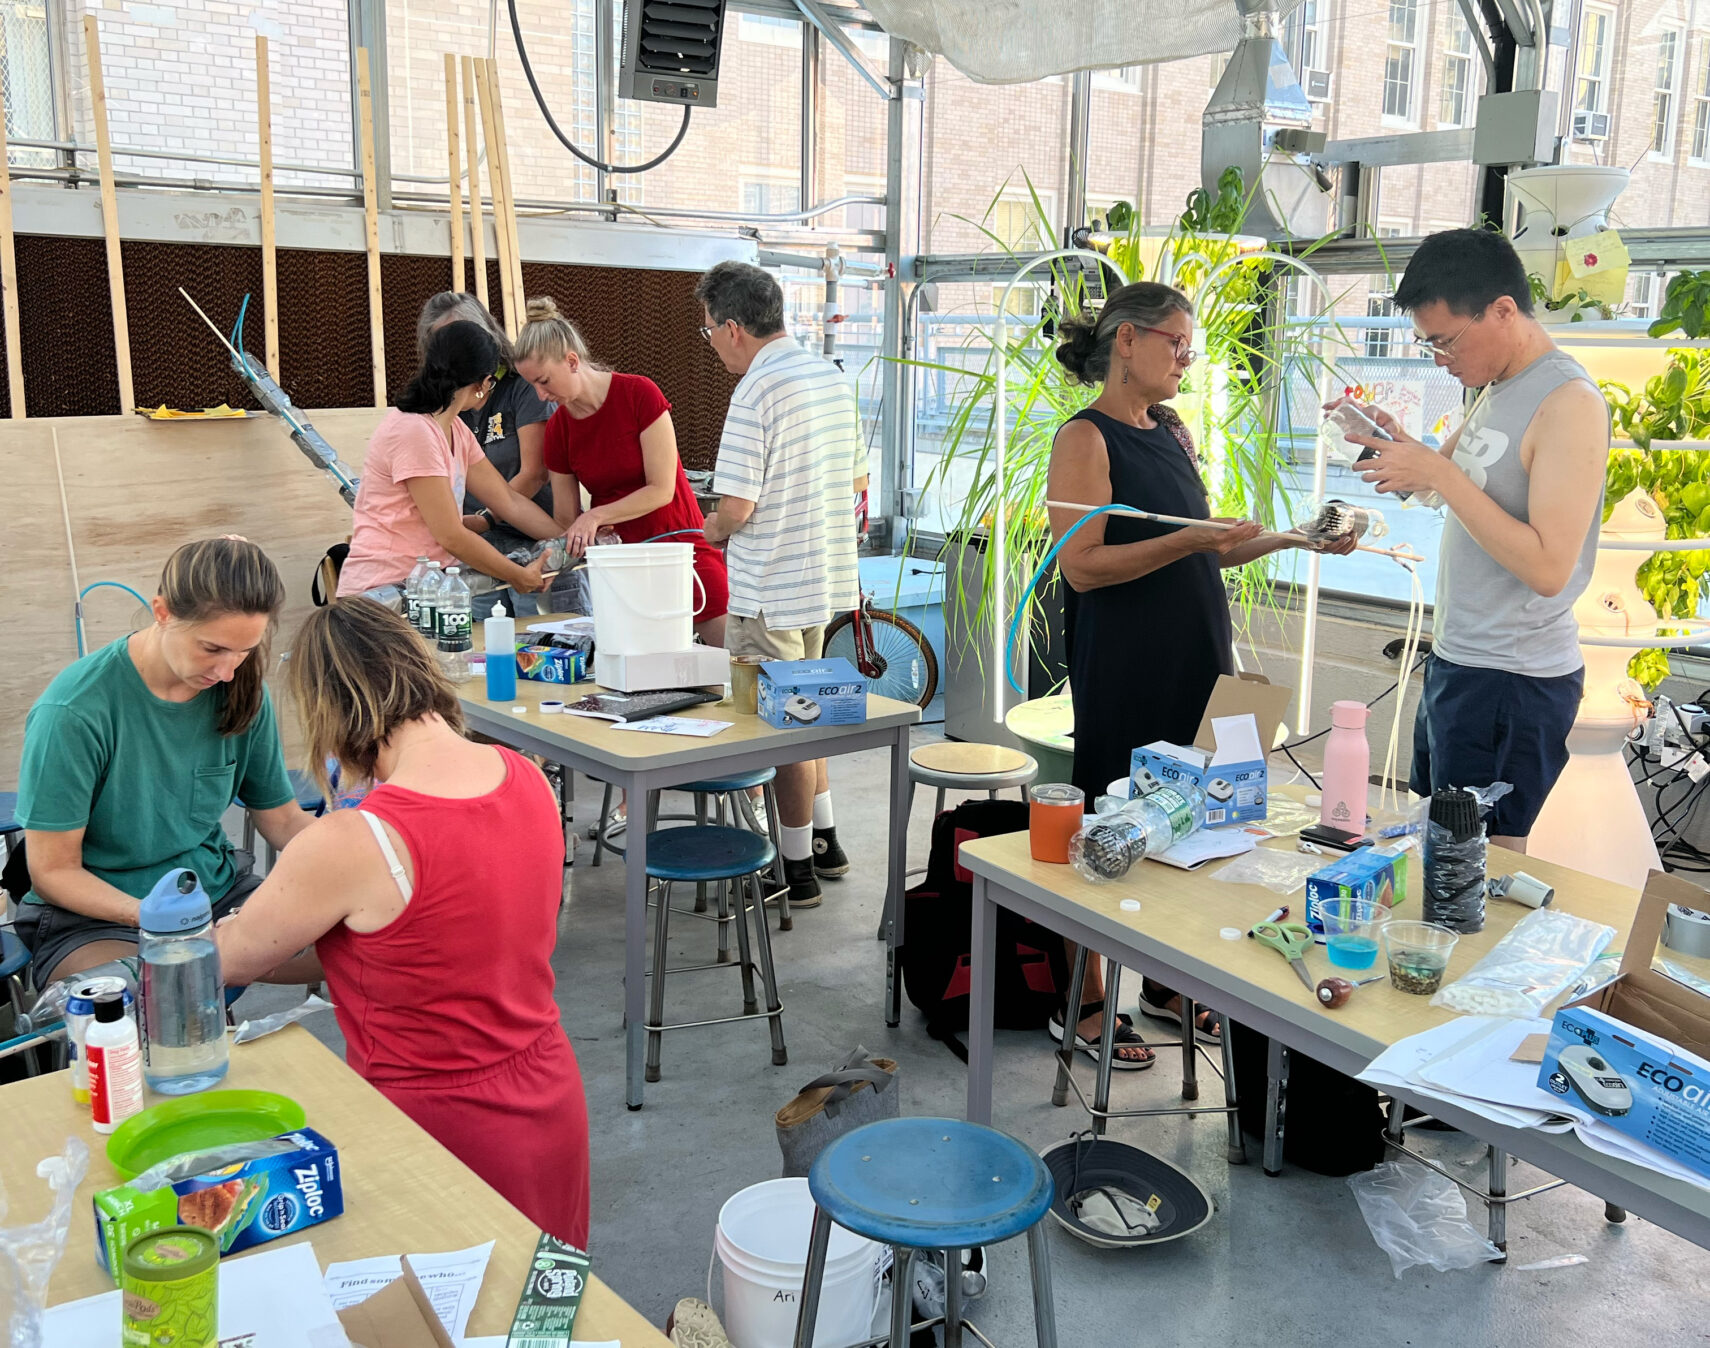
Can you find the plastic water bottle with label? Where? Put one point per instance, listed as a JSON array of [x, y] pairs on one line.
[[452, 618], [1108, 848], [427, 601], [183, 991], [413, 593]]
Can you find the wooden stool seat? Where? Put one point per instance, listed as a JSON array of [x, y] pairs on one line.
[[969, 760]]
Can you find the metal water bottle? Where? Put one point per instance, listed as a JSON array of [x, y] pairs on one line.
[[183, 993]]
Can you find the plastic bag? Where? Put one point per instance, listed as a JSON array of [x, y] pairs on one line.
[[265, 1025], [1419, 1217], [1278, 871], [49, 1008], [1527, 969], [1454, 863], [28, 1254]]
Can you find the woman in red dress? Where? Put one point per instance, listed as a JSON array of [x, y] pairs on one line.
[[432, 909], [612, 434]]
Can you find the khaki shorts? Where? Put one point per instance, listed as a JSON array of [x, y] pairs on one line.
[[751, 636]]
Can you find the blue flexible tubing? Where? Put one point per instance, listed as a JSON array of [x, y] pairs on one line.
[[96, 585], [1027, 593]]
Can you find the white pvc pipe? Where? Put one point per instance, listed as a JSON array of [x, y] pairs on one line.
[[1000, 441]]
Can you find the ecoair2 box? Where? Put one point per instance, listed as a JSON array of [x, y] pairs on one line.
[[799, 693]]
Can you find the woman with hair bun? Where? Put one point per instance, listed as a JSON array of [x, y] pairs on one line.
[[1135, 589], [612, 434], [421, 458]]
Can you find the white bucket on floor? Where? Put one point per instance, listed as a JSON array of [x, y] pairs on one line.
[[762, 1242], [643, 597]]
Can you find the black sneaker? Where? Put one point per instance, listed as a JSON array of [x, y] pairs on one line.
[[804, 889], [828, 858]]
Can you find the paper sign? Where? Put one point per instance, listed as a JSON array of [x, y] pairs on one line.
[[677, 725]]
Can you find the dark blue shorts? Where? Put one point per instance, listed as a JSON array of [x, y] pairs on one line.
[[1478, 726]]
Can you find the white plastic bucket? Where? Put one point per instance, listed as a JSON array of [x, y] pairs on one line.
[[642, 595], [762, 1242]]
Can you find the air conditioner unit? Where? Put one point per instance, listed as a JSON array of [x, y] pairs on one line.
[[1591, 126], [1317, 84], [671, 50]]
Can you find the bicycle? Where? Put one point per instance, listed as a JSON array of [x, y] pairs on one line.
[[891, 651]]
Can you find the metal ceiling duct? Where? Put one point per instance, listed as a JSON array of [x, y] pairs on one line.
[[1259, 121]]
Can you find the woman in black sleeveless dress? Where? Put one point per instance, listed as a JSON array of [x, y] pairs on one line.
[[1146, 614]]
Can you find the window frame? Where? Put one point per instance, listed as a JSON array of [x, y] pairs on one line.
[[1411, 47], [1698, 148], [1604, 77], [1670, 118], [1465, 59]]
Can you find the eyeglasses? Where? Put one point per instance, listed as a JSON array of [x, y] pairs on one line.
[[1185, 354], [1440, 346], [706, 334]]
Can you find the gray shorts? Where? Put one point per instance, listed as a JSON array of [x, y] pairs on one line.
[[52, 933]]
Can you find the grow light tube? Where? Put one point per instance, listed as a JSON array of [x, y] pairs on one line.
[[1000, 442]]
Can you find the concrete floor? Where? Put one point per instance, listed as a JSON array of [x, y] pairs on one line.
[[1282, 1262]]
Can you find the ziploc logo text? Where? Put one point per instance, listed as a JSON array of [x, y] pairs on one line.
[[309, 1185]]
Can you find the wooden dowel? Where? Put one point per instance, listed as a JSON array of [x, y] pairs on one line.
[[501, 236], [371, 223], [269, 240], [454, 161], [9, 279], [109, 214], [503, 150], [472, 149]]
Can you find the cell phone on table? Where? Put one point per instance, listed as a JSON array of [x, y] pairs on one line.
[[1339, 839]]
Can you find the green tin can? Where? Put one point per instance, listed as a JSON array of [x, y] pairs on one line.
[[171, 1286]]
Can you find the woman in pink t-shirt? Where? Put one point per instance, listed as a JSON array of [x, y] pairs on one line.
[[420, 460]]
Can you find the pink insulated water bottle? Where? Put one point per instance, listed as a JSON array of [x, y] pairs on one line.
[[1347, 766]]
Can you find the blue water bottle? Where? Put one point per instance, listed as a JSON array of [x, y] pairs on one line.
[[501, 635], [183, 992]]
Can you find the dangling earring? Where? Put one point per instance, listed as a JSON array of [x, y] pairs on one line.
[[1124, 374]]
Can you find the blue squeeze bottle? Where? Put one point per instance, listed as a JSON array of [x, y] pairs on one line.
[[501, 635]]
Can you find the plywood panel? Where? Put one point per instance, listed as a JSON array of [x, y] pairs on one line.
[[135, 491]]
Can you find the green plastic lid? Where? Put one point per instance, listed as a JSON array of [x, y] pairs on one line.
[[171, 1255]]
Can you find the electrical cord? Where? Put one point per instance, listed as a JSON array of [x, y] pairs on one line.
[[564, 140]]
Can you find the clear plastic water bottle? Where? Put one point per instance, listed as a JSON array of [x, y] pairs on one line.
[[427, 602], [183, 992], [453, 620], [1108, 848], [413, 593]]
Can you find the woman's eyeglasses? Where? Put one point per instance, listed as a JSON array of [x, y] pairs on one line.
[[1185, 354]]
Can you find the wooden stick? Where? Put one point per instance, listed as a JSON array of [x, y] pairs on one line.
[[9, 279], [472, 148], [504, 153], [454, 159], [109, 214], [269, 240], [507, 273], [371, 223]]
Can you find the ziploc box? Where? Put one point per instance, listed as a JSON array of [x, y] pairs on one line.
[[1635, 1053], [550, 664], [1367, 873], [244, 1204], [1232, 774], [798, 693]]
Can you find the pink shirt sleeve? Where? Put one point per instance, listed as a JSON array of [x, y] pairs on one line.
[[419, 450]]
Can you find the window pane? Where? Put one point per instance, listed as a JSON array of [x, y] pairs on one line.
[[1398, 82], [26, 80]]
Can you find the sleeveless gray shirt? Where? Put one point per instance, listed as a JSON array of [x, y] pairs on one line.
[[1486, 616]]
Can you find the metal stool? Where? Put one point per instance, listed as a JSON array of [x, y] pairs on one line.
[[930, 1184], [734, 791], [707, 854], [309, 798], [14, 963]]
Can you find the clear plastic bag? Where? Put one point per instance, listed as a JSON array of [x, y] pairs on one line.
[[28, 1254], [1529, 968], [1419, 1217], [1278, 871], [266, 1025], [1454, 868]]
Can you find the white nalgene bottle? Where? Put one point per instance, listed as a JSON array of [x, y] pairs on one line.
[[183, 994]]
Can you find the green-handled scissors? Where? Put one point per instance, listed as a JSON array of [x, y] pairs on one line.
[[1290, 939]]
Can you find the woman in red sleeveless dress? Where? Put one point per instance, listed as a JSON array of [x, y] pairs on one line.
[[612, 434], [433, 912]]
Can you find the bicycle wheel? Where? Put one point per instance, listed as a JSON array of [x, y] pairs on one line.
[[908, 668]]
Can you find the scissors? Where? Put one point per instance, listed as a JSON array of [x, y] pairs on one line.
[[1290, 939]]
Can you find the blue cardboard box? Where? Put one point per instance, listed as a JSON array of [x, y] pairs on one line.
[[1232, 774], [1369, 873], [798, 693]]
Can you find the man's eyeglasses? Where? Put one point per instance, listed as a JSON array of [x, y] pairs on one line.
[[1185, 354], [1440, 346], [706, 333]]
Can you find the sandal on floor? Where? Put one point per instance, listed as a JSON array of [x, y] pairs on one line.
[[1126, 1037], [1208, 1024]]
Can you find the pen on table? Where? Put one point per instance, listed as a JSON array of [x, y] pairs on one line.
[[1277, 916]]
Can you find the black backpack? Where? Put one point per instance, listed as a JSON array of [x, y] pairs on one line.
[[1032, 972]]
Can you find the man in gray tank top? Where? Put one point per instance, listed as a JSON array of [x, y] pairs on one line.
[[1521, 481]]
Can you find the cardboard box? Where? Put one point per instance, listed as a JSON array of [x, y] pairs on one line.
[[697, 667], [1638, 1048], [245, 1204], [399, 1315], [550, 664], [1368, 873], [1232, 774], [797, 693]]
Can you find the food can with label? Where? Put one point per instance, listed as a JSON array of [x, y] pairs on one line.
[[171, 1289], [79, 1011]]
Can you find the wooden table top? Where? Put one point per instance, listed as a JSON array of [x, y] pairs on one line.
[[403, 1192]]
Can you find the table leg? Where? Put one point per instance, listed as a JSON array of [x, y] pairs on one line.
[[1071, 1028], [1190, 1051], [897, 879], [1106, 1049], [1498, 1191], [1276, 1106], [983, 960], [635, 946], [1237, 1142]]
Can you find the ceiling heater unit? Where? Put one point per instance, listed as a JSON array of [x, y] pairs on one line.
[[670, 51]]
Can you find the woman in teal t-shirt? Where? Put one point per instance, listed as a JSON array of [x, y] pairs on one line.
[[134, 753]]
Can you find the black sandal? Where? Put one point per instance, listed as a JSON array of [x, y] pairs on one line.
[[1126, 1037], [1208, 1024]]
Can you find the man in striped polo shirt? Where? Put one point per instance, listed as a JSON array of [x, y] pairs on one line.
[[789, 464]]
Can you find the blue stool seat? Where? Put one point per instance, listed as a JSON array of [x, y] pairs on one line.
[[931, 1184], [706, 852], [9, 812], [308, 794], [14, 955], [737, 781]]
